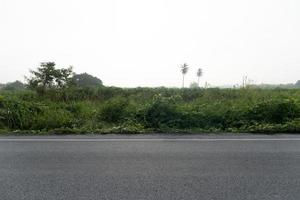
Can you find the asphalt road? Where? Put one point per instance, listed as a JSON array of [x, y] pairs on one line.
[[157, 167]]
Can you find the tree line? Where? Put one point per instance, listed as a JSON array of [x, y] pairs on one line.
[[48, 76]]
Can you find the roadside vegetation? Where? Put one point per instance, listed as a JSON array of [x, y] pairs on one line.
[[60, 102]]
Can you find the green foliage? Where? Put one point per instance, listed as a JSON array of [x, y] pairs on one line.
[[160, 112], [116, 110], [17, 114], [292, 126], [52, 118], [274, 111], [2, 112], [86, 80], [48, 77]]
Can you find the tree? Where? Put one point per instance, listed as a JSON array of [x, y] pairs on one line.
[[64, 77], [184, 70], [86, 80], [43, 77], [199, 74], [47, 77], [17, 85], [297, 84]]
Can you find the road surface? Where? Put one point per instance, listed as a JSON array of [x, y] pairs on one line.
[[158, 167]]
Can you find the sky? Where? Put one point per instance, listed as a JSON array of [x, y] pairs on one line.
[[130, 43]]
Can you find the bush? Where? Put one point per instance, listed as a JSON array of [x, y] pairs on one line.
[[113, 111], [161, 112], [18, 114], [190, 120], [2, 112], [274, 111], [52, 118]]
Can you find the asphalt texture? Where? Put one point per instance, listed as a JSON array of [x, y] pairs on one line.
[[158, 167]]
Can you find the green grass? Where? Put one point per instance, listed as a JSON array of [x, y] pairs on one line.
[[143, 110]]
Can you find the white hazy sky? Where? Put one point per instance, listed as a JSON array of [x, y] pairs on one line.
[[132, 43]]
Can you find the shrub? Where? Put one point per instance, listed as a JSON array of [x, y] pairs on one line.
[[83, 113], [160, 112], [113, 111], [18, 114], [2, 112], [274, 111], [190, 119], [52, 118]]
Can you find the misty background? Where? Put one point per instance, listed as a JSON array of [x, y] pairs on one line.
[[143, 42]]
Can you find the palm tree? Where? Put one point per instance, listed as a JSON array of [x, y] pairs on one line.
[[184, 70], [199, 74]]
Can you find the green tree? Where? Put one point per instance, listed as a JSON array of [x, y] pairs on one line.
[[184, 70], [47, 76], [64, 77], [86, 80]]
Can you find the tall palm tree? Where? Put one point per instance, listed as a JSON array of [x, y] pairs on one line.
[[184, 70], [199, 74]]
